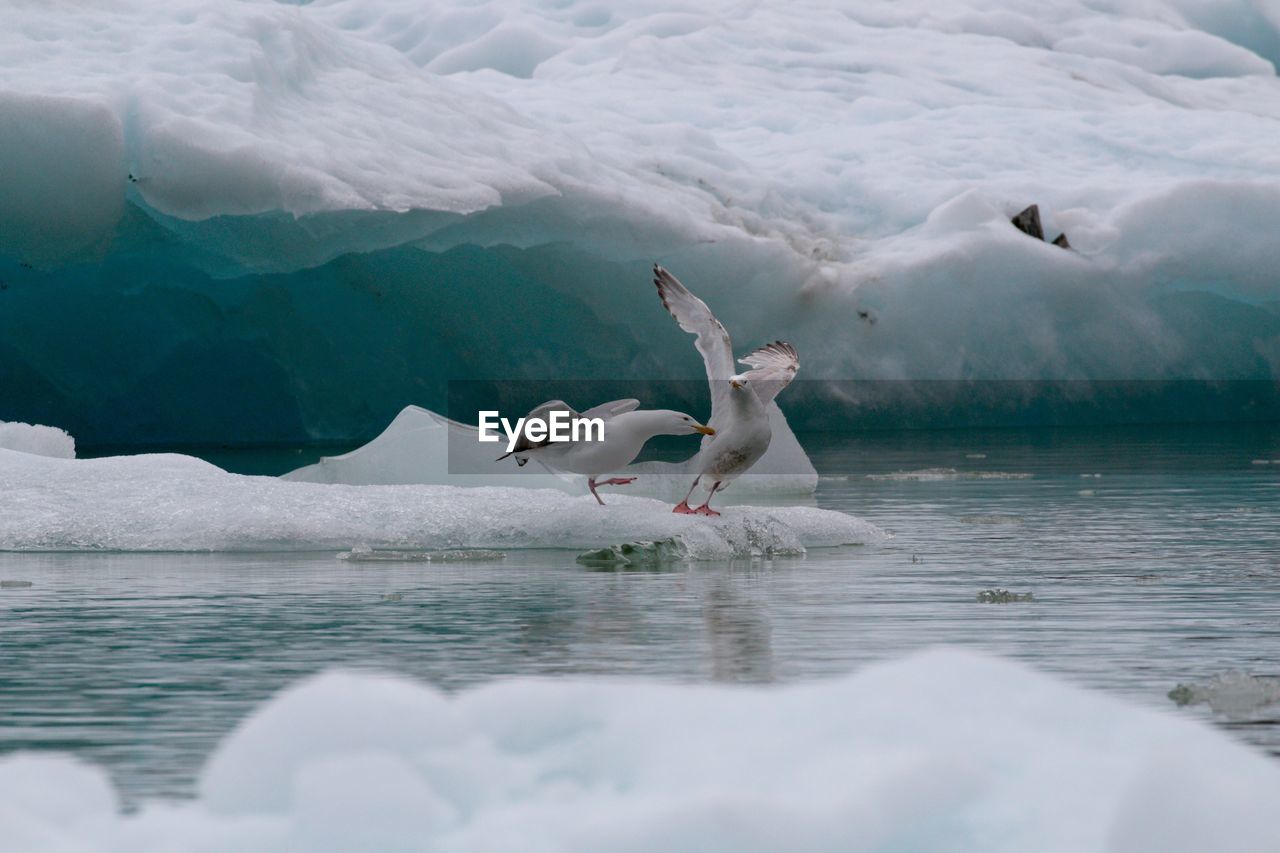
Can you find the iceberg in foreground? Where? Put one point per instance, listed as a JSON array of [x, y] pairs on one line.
[[942, 751], [168, 502], [421, 446]]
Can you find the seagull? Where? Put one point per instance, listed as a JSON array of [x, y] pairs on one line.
[[626, 429], [739, 401]]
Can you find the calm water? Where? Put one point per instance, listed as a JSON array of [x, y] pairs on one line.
[[1163, 569]]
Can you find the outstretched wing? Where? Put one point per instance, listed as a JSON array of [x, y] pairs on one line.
[[605, 411], [775, 365], [542, 412], [695, 317]]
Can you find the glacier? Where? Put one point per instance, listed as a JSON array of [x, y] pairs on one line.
[[943, 750], [258, 222]]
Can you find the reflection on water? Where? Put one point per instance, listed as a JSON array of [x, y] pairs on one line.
[[1160, 567]]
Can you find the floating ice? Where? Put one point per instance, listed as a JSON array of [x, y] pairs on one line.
[[945, 750], [421, 446], [1002, 596], [40, 440], [167, 502], [644, 553], [1230, 693]]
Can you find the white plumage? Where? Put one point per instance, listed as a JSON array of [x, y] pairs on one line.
[[739, 402], [626, 429]]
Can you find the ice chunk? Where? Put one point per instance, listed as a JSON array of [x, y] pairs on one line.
[[415, 448], [1230, 693], [40, 440], [944, 750], [421, 446], [644, 553], [1002, 596], [168, 502]]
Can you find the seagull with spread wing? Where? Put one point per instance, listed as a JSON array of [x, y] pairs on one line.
[[626, 429], [739, 401]]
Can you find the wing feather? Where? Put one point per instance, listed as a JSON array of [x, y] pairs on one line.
[[608, 410], [523, 443], [774, 366], [712, 342]]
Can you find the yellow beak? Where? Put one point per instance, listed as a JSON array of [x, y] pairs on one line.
[[705, 430], [735, 384]]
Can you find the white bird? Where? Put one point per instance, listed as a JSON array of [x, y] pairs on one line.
[[626, 429], [739, 401]]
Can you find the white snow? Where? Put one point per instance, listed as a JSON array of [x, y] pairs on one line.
[[168, 502], [40, 440], [814, 156], [421, 446], [945, 750]]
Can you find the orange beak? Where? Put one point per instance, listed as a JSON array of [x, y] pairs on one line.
[[705, 430]]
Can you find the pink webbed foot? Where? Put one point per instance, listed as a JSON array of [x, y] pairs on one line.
[[616, 481], [704, 510], [683, 508]]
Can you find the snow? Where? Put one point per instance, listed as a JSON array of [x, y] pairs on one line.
[[169, 502], [796, 162], [421, 446], [40, 440], [944, 750]]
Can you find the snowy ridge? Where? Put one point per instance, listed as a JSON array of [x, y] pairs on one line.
[[168, 502], [945, 750]]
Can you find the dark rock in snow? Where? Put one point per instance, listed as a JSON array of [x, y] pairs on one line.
[[1028, 222]]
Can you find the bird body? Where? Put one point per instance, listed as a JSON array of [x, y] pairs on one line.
[[626, 429], [739, 401]]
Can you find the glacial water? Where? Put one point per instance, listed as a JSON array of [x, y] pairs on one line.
[[1152, 556]]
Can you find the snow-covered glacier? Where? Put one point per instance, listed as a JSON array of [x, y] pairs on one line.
[[944, 750], [262, 221]]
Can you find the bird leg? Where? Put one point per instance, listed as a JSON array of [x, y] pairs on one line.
[[616, 481], [683, 506], [591, 484], [706, 509]]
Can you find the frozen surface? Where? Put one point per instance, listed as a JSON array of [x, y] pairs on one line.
[[40, 440], [253, 192], [421, 446], [944, 750], [168, 502]]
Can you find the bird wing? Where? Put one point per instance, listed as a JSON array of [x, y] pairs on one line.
[[775, 365], [695, 317], [523, 443], [605, 411]]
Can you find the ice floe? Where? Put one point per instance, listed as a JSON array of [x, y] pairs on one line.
[[944, 750], [169, 502]]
